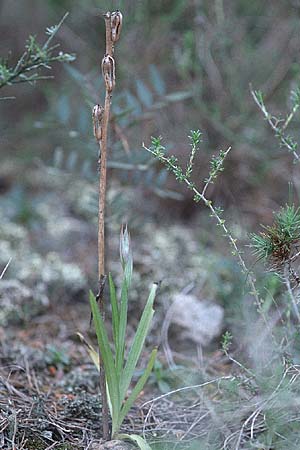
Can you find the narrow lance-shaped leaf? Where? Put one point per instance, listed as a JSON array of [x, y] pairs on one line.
[[138, 440], [138, 388], [127, 265], [120, 346], [114, 309], [107, 358], [126, 254], [138, 343]]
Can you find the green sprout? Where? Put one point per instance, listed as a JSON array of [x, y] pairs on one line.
[[226, 341]]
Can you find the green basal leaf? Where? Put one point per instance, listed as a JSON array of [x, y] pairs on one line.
[[115, 309], [107, 358], [138, 343], [138, 440], [138, 388], [126, 254], [120, 346]]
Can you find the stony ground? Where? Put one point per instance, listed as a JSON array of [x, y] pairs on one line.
[[48, 385]]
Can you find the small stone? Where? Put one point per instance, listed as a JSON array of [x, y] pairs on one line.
[[202, 320]]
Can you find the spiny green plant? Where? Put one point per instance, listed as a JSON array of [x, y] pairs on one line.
[[278, 241], [278, 247], [35, 58], [200, 194], [278, 244]]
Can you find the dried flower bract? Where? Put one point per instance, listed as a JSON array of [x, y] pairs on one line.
[[98, 112], [108, 70], [116, 25]]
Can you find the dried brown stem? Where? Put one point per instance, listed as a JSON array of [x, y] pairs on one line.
[[101, 121]]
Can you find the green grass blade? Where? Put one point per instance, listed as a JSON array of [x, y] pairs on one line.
[[138, 343], [128, 271], [127, 265], [107, 359], [126, 254], [138, 440], [114, 309], [138, 388], [120, 345]]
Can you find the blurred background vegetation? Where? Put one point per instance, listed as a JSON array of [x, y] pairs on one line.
[[181, 65]]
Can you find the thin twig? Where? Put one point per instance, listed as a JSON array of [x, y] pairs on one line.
[[291, 294], [36, 59], [210, 178], [273, 122], [220, 221], [5, 268], [262, 404], [185, 388]]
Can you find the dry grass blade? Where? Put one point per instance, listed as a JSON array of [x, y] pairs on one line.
[[5, 269]]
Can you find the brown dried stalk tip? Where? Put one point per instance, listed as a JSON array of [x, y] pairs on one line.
[[98, 112], [108, 71], [107, 15], [116, 20]]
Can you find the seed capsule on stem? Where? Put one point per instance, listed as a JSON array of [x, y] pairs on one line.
[[108, 70], [116, 20], [98, 112]]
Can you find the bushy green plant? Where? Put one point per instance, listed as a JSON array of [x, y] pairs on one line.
[[278, 241]]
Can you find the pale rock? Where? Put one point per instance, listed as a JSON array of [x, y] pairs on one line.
[[202, 320]]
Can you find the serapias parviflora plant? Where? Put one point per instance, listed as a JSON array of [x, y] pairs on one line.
[[101, 115], [116, 370], [119, 367]]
